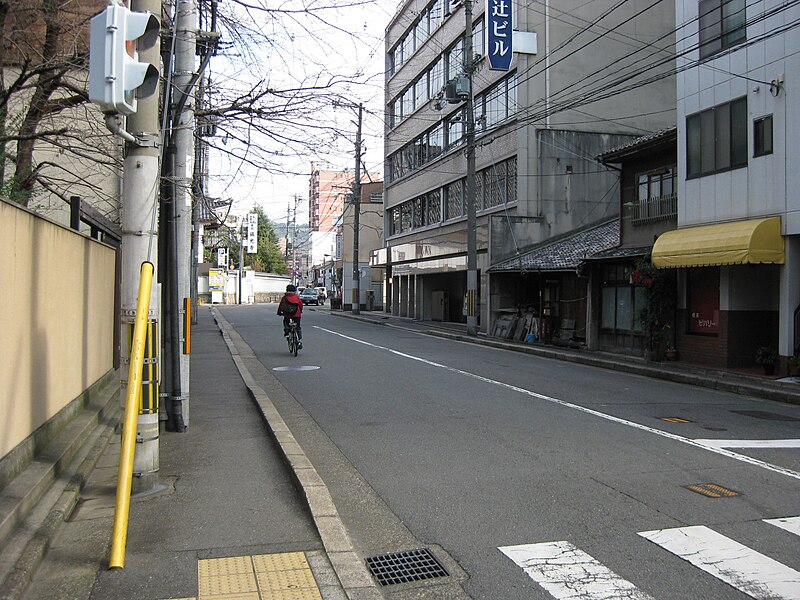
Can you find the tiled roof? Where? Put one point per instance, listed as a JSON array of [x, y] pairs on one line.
[[618, 252], [643, 140], [565, 253]]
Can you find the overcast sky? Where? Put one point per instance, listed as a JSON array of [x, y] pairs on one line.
[[314, 42]]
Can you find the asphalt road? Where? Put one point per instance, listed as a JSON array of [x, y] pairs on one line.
[[540, 478]]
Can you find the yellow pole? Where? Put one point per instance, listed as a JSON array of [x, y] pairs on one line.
[[133, 400]]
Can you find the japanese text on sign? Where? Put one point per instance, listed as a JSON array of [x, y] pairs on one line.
[[499, 34]]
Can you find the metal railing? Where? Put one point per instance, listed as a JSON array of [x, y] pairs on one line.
[[654, 209]]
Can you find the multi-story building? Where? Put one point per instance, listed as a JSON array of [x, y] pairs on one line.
[[327, 190], [597, 79], [737, 246]]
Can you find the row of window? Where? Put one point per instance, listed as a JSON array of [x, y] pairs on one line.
[[716, 138], [723, 24], [430, 82], [494, 186], [495, 105], [431, 17]]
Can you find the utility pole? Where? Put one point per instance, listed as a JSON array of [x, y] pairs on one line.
[[472, 245], [294, 241], [356, 215], [140, 244], [182, 137]]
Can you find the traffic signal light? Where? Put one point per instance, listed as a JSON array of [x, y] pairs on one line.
[[116, 77]]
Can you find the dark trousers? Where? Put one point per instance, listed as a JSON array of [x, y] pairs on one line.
[[286, 321]]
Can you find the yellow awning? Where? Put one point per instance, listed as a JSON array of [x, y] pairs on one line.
[[757, 241]]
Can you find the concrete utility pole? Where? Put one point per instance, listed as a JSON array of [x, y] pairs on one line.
[[140, 244], [356, 214], [472, 245], [186, 24]]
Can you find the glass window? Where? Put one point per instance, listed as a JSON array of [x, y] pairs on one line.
[[433, 208], [420, 91], [511, 180], [722, 25], [455, 199], [478, 42], [738, 127], [436, 14], [395, 216], [437, 76], [405, 216], [455, 60], [418, 214], [716, 139], [762, 136], [436, 142], [609, 300]]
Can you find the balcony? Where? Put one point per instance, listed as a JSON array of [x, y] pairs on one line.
[[658, 208]]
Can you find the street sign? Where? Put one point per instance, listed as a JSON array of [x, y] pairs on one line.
[[222, 257], [499, 27], [252, 233]]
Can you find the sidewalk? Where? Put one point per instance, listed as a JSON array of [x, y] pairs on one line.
[[228, 521], [733, 381]]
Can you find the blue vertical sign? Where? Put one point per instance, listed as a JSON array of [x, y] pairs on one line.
[[499, 25]]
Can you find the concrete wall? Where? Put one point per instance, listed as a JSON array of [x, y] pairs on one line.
[[58, 321]]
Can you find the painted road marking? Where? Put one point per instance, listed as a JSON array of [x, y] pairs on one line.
[[678, 438], [566, 572], [790, 524], [748, 571], [750, 443]]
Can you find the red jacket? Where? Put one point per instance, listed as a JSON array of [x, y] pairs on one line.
[[294, 299]]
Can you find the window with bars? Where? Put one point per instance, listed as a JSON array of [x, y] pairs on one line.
[[454, 194]]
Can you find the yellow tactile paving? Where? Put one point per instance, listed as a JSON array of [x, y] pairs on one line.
[[286, 580], [285, 561], [285, 576], [224, 566]]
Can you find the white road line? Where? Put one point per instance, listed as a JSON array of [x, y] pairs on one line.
[[750, 443], [790, 524], [567, 572], [748, 571], [683, 440]]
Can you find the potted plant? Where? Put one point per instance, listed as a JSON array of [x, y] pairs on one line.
[[657, 313], [767, 356], [670, 352]]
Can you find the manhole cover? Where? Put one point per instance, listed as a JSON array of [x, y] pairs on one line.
[[298, 368], [402, 567], [763, 414]]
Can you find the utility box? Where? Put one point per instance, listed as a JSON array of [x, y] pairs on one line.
[[440, 309], [370, 300]]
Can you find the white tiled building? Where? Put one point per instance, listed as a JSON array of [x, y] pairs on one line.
[[738, 238]]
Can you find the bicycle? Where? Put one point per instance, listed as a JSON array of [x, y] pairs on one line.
[[292, 338]]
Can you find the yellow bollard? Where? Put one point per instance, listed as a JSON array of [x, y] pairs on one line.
[[133, 400]]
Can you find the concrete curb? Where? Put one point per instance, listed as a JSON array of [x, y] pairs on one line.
[[351, 571], [788, 393]]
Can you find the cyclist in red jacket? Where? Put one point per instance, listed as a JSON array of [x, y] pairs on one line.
[[291, 309]]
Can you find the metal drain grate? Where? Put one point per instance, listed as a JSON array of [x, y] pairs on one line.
[[402, 567]]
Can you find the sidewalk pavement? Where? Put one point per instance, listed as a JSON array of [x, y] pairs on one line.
[[242, 509], [230, 521]]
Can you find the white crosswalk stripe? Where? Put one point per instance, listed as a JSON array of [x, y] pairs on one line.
[[790, 524], [567, 572], [748, 571]]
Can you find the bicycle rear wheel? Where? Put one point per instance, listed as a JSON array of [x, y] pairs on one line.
[[294, 343]]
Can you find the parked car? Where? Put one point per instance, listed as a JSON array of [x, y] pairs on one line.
[[309, 296]]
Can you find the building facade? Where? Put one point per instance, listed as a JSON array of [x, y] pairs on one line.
[[539, 127], [737, 246]]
